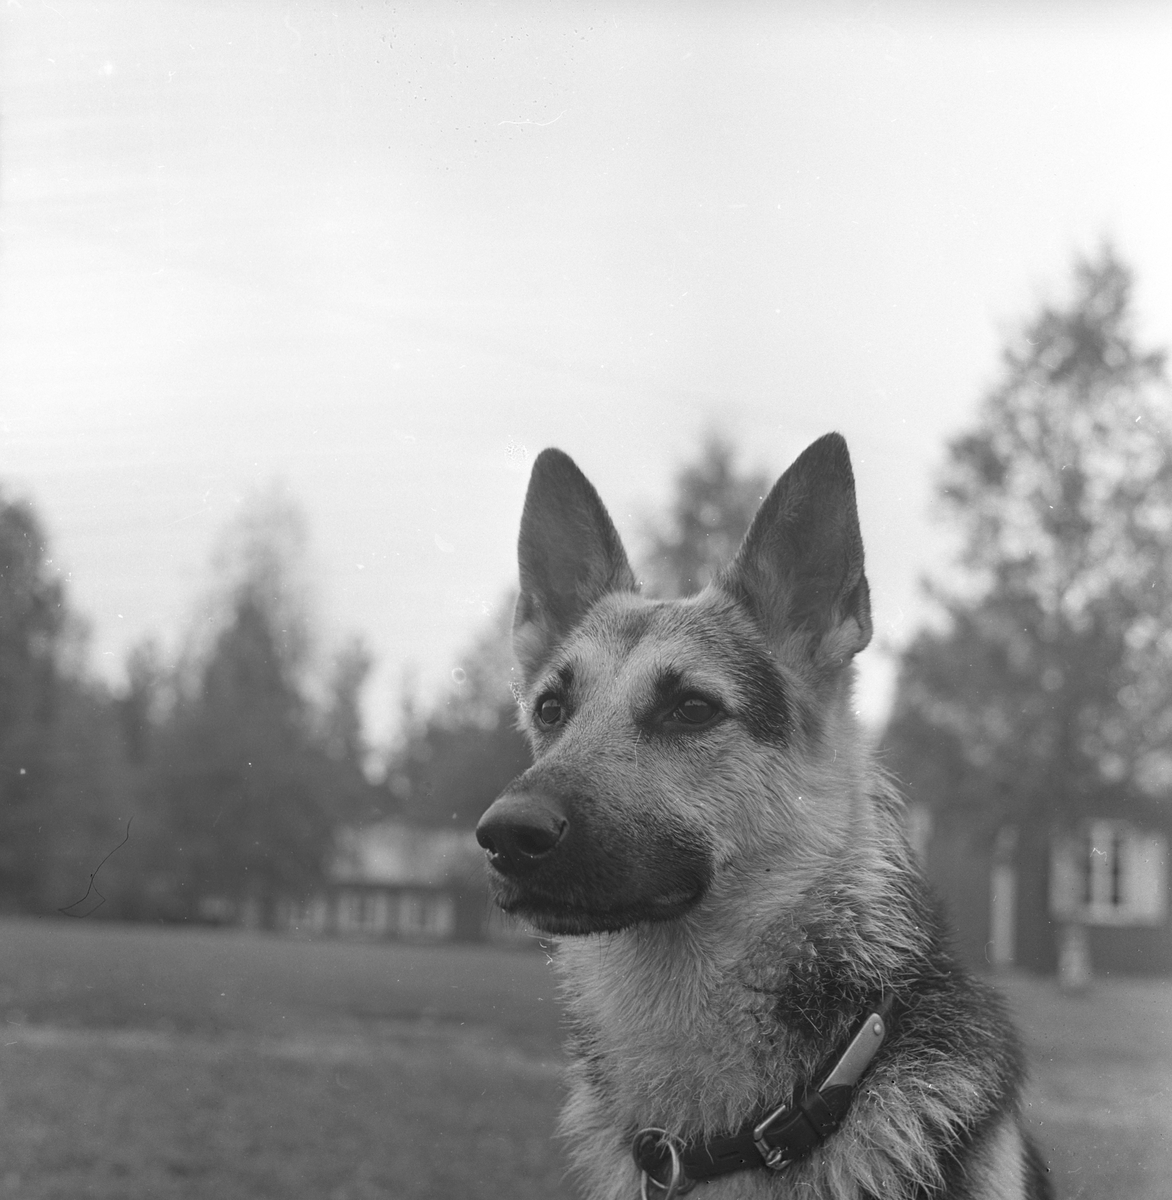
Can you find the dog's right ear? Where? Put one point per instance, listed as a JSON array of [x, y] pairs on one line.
[[570, 556]]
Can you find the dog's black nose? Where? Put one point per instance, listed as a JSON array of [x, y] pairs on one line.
[[518, 831]]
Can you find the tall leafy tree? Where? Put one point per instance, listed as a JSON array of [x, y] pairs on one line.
[[356, 797], [705, 521], [247, 795], [140, 704], [1047, 694]]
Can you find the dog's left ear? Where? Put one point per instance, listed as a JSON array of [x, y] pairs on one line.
[[569, 554], [799, 570]]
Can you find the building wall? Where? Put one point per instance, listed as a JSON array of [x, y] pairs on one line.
[[958, 873], [1037, 931], [964, 873], [386, 911]]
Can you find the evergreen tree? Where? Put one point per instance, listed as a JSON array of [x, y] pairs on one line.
[[32, 623], [249, 782], [96, 850], [342, 727], [65, 794]]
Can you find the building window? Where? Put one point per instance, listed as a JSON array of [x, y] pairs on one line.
[[442, 917], [317, 914], [410, 914], [1111, 873], [349, 911]]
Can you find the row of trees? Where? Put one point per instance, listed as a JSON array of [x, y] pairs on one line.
[[217, 776], [1041, 693]]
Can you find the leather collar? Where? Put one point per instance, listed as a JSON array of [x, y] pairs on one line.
[[779, 1135]]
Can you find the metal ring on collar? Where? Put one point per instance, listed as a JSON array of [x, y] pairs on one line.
[[677, 1183]]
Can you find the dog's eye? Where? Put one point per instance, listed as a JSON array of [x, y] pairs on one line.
[[695, 710], [549, 710]]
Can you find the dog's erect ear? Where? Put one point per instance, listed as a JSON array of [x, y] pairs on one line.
[[800, 568], [569, 554]]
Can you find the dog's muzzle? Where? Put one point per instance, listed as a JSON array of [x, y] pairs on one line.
[[520, 830], [554, 861]]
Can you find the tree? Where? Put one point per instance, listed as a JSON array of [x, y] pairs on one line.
[[64, 787], [247, 793], [705, 522], [262, 556], [92, 808], [1046, 694], [141, 702], [357, 798], [32, 622], [453, 763]]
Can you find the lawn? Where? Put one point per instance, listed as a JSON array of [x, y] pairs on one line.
[[142, 1063], [1101, 1092], [146, 1064]]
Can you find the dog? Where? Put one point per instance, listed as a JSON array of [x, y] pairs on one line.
[[761, 995]]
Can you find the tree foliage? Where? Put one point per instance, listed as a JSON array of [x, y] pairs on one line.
[[453, 763], [140, 706], [65, 794], [240, 784], [705, 521], [32, 620], [248, 778], [342, 730], [1047, 694]]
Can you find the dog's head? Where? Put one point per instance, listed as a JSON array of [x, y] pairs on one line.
[[671, 737]]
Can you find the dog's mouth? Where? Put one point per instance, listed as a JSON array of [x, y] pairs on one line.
[[558, 915]]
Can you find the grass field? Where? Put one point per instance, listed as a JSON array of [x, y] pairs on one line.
[[148, 1064]]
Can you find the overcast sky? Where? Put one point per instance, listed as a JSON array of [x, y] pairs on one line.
[[381, 255]]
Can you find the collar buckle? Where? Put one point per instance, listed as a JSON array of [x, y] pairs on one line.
[[774, 1157]]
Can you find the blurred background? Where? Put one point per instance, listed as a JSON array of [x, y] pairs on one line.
[[291, 296]]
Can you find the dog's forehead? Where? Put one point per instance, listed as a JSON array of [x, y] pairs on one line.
[[639, 638]]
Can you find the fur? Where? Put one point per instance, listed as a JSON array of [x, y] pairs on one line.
[[707, 827]]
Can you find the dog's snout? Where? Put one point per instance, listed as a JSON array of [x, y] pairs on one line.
[[518, 831]]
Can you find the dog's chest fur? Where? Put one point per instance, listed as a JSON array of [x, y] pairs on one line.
[[669, 1025]]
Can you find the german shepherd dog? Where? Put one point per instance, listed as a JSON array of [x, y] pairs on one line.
[[761, 994]]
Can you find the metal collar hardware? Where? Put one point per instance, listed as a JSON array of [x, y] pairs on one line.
[[770, 1135], [677, 1181]]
